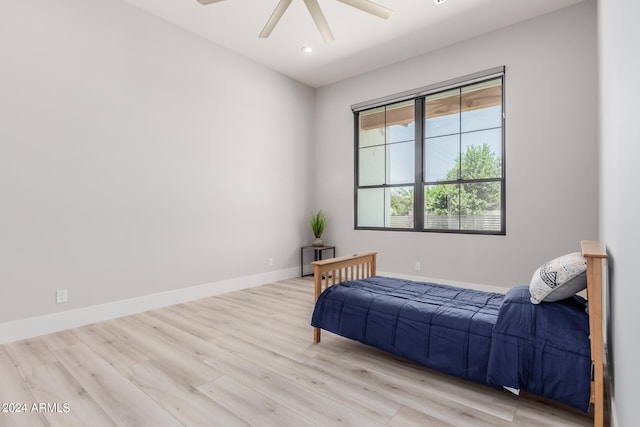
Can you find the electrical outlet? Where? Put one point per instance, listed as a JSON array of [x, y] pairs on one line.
[[417, 266], [61, 296], [270, 261]]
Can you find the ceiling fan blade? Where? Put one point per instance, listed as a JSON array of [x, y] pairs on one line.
[[205, 2], [369, 7], [319, 19], [275, 17]]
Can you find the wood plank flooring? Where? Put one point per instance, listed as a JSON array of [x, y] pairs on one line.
[[243, 358]]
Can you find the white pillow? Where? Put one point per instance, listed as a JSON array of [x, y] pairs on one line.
[[559, 278]]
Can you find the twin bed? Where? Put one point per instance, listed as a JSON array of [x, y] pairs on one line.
[[551, 349]]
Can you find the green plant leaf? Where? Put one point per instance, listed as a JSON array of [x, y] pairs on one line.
[[318, 222]]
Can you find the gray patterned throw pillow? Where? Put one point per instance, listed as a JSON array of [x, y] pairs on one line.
[[559, 278]]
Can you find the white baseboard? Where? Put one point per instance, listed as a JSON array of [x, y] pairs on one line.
[[468, 285], [46, 324]]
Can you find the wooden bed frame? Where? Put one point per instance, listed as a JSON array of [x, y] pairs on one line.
[[359, 266]]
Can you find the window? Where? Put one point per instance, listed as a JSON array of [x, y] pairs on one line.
[[386, 172], [435, 161]]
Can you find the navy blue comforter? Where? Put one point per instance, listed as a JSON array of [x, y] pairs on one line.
[[485, 337], [543, 349]]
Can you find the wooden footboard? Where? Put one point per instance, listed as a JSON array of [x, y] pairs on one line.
[[595, 256], [335, 270]]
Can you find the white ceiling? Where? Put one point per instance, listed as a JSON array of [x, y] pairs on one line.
[[362, 42]]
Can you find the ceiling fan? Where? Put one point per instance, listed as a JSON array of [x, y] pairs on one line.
[[317, 15]]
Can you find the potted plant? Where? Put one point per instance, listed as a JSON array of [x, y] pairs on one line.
[[318, 222]]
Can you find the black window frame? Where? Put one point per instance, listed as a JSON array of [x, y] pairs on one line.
[[419, 184]]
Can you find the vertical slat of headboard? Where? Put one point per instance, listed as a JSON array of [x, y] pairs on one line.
[[595, 256], [373, 265]]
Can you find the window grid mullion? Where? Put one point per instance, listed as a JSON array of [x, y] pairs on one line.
[[459, 158], [386, 171], [418, 186]]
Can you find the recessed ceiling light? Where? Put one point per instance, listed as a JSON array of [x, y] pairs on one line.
[[307, 49], [439, 1]]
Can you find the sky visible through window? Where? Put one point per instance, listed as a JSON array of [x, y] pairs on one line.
[[443, 149]]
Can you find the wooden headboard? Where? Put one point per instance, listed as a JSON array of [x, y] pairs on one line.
[[595, 256], [359, 266]]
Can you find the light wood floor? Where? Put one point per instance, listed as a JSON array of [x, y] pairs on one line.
[[244, 358]]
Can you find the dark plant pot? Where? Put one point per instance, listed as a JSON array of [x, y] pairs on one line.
[[317, 242]]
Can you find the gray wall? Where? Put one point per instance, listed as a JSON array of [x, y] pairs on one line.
[[551, 151], [620, 198], [136, 158]]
